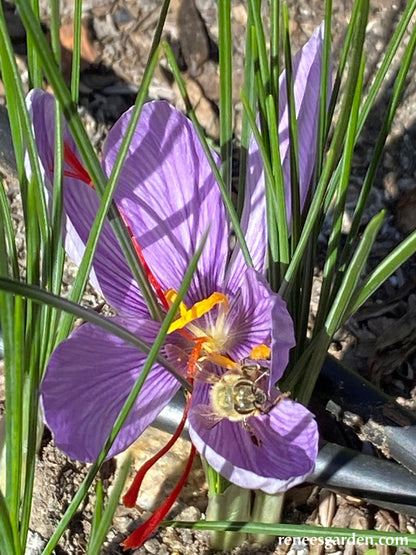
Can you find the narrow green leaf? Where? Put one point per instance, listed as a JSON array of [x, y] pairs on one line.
[[295, 531], [97, 514], [45, 297], [226, 90], [331, 267], [255, 13], [398, 89], [384, 270], [95, 545], [7, 543], [7, 224], [293, 134], [353, 275], [379, 80], [278, 218], [275, 51], [325, 76], [334, 152], [249, 90], [35, 70], [76, 52]]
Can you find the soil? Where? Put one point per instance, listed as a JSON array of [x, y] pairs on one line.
[[380, 341]]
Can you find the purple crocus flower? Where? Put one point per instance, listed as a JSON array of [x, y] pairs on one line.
[[169, 198]]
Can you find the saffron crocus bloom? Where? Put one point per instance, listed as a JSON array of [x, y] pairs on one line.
[[169, 199]]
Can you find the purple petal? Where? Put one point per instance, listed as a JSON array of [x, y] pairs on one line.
[[307, 65], [170, 198], [253, 219], [283, 339], [274, 453], [88, 379], [249, 320], [111, 273]]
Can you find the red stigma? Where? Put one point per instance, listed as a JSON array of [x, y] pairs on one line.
[[130, 497], [79, 172], [140, 535]]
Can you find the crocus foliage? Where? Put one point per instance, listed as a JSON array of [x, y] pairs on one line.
[[230, 318]]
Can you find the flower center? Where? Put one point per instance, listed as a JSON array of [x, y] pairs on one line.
[[211, 342]]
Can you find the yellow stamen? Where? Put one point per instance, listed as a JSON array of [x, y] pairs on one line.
[[198, 310], [220, 360], [260, 352]]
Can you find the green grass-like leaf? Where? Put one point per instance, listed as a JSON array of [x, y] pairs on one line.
[[99, 531], [293, 530]]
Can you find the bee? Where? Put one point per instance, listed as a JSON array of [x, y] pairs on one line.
[[236, 395]]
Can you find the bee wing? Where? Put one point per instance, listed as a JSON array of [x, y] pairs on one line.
[[204, 375], [207, 418]]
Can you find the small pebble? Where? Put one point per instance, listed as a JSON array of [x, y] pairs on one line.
[[152, 546]]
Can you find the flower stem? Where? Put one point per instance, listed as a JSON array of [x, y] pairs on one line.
[[266, 508], [232, 504]]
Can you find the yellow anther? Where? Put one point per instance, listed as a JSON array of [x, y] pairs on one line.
[[199, 309], [171, 295], [220, 360], [260, 352]]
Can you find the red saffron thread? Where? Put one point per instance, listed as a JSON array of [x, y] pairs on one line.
[[79, 171], [140, 535], [130, 497]]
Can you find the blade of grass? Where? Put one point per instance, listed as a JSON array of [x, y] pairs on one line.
[[76, 51], [7, 540], [315, 210], [96, 542], [45, 297], [226, 90], [330, 267], [294, 531]]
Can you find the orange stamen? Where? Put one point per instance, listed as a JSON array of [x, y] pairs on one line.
[[140, 535], [260, 352], [194, 356]]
